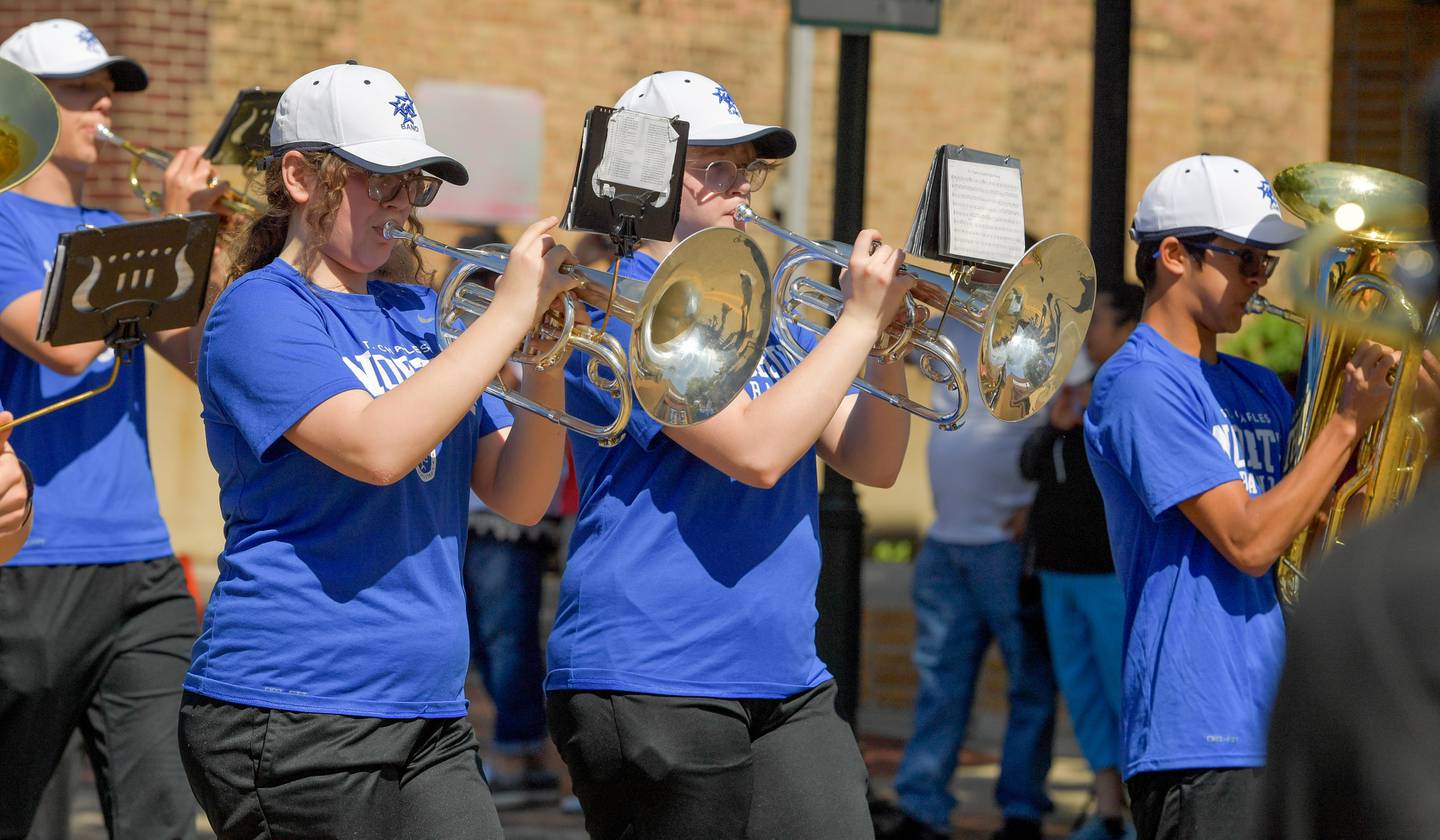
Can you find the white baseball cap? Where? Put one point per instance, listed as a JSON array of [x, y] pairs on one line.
[[709, 108], [362, 114], [63, 49], [1213, 194]]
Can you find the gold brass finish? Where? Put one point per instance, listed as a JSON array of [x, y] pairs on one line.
[[1366, 226], [29, 125], [233, 201]]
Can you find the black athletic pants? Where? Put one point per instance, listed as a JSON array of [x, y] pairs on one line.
[[650, 767], [1196, 804], [266, 774], [103, 648]]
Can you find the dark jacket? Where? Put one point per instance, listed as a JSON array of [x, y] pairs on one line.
[[1066, 531]]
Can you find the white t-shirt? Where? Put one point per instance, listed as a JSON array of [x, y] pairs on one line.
[[975, 476]]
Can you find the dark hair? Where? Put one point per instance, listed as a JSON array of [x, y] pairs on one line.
[[1145, 255], [263, 237], [1127, 299]]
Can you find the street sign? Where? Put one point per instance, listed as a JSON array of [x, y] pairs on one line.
[[921, 16]]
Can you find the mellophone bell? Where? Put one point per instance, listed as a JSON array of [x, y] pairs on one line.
[[1032, 317]]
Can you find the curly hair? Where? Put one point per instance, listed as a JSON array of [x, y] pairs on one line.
[[263, 237]]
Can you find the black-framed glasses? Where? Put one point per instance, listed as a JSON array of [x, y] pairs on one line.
[[385, 186], [1252, 263], [719, 176]]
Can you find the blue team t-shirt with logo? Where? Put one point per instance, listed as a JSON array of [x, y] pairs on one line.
[[94, 493], [1204, 641], [335, 596], [682, 580]]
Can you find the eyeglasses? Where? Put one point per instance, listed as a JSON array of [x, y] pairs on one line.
[[385, 186], [1252, 263], [719, 176]]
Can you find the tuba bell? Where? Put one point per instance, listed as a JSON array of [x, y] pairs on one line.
[[1031, 319], [29, 125], [1368, 234], [698, 327]]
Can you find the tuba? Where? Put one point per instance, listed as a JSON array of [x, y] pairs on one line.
[[1372, 229], [1032, 321], [698, 327]]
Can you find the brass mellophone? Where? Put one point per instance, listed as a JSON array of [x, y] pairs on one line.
[[234, 201]]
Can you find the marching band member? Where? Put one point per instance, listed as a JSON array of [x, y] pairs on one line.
[[326, 692], [685, 693], [1188, 445], [95, 618]]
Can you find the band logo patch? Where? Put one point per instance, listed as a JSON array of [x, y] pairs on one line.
[[405, 110], [726, 99]]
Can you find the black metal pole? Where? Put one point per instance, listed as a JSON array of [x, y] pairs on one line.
[[1110, 139], [842, 529]]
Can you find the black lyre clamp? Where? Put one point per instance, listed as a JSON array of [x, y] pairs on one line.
[[119, 284], [628, 179]]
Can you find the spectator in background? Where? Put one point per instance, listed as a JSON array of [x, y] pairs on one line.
[[1068, 545], [967, 592], [504, 570]]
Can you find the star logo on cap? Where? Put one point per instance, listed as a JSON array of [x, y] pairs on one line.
[[726, 99], [88, 38], [405, 110], [1269, 193]]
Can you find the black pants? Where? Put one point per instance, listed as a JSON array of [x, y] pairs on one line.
[[1195, 804], [276, 775], [103, 648], [648, 767]]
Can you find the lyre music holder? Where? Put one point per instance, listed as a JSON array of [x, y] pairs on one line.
[[628, 177], [119, 284], [244, 135]]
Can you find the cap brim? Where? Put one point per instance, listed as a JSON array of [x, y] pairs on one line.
[[1270, 232], [127, 73], [771, 141], [402, 156]]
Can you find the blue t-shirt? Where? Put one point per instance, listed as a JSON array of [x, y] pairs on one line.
[[94, 493], [335, 596], [1203, 641], [682, 580]]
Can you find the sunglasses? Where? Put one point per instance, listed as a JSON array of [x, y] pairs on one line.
[[721, 175], [1252, 263], [384, 187]]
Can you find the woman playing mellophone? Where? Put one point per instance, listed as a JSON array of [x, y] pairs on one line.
[[685, 693], [325, 695]]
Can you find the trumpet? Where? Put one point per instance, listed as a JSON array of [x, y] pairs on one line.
[[698, 327], [235, 202], [1032, 321]]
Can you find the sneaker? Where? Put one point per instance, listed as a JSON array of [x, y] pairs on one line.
[[521, 790], [1095, 829], [892, 823], [1018, 829]]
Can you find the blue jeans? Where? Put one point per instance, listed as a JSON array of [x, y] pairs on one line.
[[966, 595], [502, 588], [1085, 619]]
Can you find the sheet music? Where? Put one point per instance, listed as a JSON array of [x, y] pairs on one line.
[[986, 212], [639, 152]]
